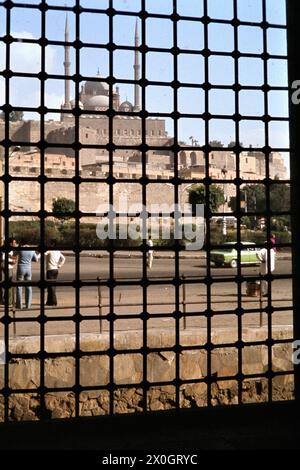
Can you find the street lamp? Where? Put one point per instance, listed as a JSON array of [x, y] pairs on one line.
[[181, 194], [224, 173]]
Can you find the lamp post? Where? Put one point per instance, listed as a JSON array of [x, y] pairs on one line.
[[181, 193], [224, 227]]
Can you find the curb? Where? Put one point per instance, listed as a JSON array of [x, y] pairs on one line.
[[285, 257]]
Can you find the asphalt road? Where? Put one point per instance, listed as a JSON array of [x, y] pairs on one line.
[[223, 296], [126, 268]]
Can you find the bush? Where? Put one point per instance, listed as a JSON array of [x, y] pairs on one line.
[[255, 236], [64, 236]]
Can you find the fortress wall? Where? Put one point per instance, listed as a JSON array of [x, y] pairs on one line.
[[27, 193]]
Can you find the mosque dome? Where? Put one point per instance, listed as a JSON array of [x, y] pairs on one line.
[[100, 101], [126, 107], [73, 104], [96, 87]]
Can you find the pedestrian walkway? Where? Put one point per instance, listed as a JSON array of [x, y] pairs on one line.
[[129, 301]]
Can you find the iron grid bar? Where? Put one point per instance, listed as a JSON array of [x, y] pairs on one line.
[[145, 282]]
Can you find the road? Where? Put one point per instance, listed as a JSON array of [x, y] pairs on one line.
[[161, 299], [126, 268]]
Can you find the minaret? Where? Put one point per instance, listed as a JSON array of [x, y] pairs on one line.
[[136, 67], [67, 65]]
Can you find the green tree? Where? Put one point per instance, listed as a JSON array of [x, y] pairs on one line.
[[216, 143], [233, 144], [280, 201], [253, 199], [62, 208], [197, 196], [280, 198]]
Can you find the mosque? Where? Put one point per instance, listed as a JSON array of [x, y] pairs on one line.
[[94, 96]]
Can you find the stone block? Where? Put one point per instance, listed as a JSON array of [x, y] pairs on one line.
[[224, 362], [255, 359], [128, 368], [24, 373], [30, 416], [193, 364], [194, 395], [60, 372], [94, 370], [17, 413], [160, 369], [103, 401]]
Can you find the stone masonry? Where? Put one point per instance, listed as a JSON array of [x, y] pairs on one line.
[[128, 373]]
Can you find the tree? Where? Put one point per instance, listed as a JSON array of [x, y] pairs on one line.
[[197, 196], [233, 144], [62, 208], [253, 197], [280, 201], [216, 143], [280, 198]]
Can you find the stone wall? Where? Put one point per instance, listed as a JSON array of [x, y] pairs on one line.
[[27, 193], [128, 373]]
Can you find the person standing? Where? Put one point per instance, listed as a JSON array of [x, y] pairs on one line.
[[273, 242], [263, 255], [24, 273], [150, 253], [54, 261], [12, 259]]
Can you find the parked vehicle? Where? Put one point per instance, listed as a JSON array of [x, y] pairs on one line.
[[228, 255]]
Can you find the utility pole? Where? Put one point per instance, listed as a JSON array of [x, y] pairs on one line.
[[224, 228]]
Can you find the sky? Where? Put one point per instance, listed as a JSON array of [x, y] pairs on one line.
[[159, 65]]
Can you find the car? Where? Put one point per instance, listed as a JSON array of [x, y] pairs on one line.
[[228, 255]]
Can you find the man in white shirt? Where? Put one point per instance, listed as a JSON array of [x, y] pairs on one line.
[[150, 253], [263, 255], [54, 261]]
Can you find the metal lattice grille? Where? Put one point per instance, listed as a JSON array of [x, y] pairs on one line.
[[216, 71]]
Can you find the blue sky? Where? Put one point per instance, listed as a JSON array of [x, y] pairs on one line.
[[159, 65]]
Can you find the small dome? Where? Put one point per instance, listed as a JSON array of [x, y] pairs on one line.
[[73, 104], [99, 101], [126, 107]]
